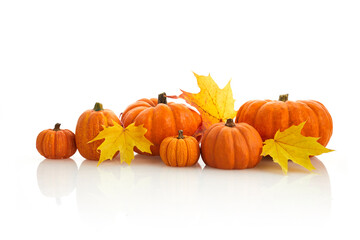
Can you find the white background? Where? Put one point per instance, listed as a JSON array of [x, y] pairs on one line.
[[57, 58]]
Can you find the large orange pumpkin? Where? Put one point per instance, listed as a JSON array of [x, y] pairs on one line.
[[231, 146], [89, 125], [268, 116], [180, 151], [161, 119], [56, 143]]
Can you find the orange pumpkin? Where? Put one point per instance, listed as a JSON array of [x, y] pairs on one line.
[[89, 125], [56, 143], [180, 151], [161, 119], [231, 146], [268, 116]]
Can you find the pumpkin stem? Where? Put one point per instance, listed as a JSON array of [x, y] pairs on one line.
[[283, 97], [162, 98], [230, 123], [57, 127], [98, 107], [181, 136]]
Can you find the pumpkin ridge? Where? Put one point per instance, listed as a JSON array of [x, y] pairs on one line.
[[317, 118], [242, 110], [315, 106], [172, 110], [204, 141], [43, 146], [167, 149], [253, 120], [56, 144], [53, 134], [171, 143], [222, 132], [39, 145], [269, 125], [248, 149], [188, 146], [288, 111], [66, 143], [213, 147]]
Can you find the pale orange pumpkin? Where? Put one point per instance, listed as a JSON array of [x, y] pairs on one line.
[[161, 119], [180, 151], [89, 125], [231, 146], [269, 116], [56, 143]]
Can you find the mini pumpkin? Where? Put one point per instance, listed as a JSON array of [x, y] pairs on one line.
[[231, 146], [89, 124], [180, 151], [269, 116], [161, 119], [56, 143]]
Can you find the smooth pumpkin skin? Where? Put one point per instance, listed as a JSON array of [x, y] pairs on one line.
[[161, 120], [56, 143], [236, 147], [89, 125], [180, 152], [268, 116]]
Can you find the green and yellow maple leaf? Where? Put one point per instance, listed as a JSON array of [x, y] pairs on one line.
[[122, 140], [214, 104], [290, 144]]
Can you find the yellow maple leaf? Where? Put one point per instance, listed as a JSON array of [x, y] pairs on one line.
[[214, 104], [292, 145], [122, 140]]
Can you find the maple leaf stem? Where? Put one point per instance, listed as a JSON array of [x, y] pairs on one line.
[[162, 98], [57, 127], [284, 97]]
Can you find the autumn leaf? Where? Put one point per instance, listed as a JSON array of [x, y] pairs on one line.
[[122, 140], [292, 145], [214, 104]]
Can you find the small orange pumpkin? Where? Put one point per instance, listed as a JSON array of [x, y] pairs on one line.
[[161, 119], [231, 146], [56, 143], [269, 116], [180, 151], [89, 125]]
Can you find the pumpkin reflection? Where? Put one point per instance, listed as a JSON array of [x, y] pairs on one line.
[[264, 193], [145, 188], [57, 178]]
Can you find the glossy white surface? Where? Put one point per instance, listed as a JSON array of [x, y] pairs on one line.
[[58, 58]]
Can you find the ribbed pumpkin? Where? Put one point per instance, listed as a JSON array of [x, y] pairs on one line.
[[89, 125], [268, 116], [161, 119], [56, 143], [231, 146], [180, 151]]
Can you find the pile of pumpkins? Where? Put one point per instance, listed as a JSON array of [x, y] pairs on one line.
[[171, 126]]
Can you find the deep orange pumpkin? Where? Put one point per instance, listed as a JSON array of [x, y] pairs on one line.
[[231, 146], [89, 125], [268, 116], [180, 151], [56, 143], [161, 119]]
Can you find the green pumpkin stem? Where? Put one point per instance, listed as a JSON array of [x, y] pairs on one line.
[[230, 123], [162, 98], [283, 97], [180, 136], [98, 107], [57, 127]]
